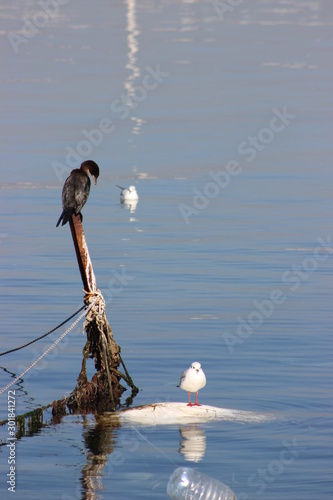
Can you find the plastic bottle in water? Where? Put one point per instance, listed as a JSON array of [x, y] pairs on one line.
[[189, 484]]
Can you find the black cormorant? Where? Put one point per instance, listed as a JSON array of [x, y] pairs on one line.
[[76, 190]]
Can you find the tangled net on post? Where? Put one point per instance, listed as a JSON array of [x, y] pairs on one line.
[[103, 391]]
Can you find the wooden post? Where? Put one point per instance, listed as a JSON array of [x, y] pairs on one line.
[[104, 390], [82, 254]]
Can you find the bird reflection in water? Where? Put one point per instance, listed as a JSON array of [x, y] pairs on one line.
[[130, 205], [193, 444]]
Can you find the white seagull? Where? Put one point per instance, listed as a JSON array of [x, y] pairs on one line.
[[128, 194], [192, 380]]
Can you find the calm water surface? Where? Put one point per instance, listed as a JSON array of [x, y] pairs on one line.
[[236, 274]]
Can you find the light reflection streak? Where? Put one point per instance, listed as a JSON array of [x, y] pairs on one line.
[[133, 48]]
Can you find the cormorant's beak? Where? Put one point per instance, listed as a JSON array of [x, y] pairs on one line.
[[95, 179]]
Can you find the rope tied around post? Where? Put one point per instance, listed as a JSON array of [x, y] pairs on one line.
[[97, 311], [102, 347]]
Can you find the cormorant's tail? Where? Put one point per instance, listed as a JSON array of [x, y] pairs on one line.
[[64, 217], [61, 216]]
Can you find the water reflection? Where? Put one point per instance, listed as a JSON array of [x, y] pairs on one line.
[[99, 442], [133, 47], [105, 449], [193, 444], [130, 205]]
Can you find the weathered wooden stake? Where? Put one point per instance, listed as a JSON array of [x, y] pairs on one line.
[[104, 390], [82, 254]]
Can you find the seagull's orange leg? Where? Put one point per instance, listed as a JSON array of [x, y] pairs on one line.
[[196, 402], [189, 400]]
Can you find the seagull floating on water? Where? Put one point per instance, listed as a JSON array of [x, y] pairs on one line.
[[128, 194], [192, 380]]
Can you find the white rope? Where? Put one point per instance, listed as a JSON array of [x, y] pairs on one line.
[[98, 312], [52, 346]]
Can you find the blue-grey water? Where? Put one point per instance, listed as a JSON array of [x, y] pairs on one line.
[[221, 114]]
